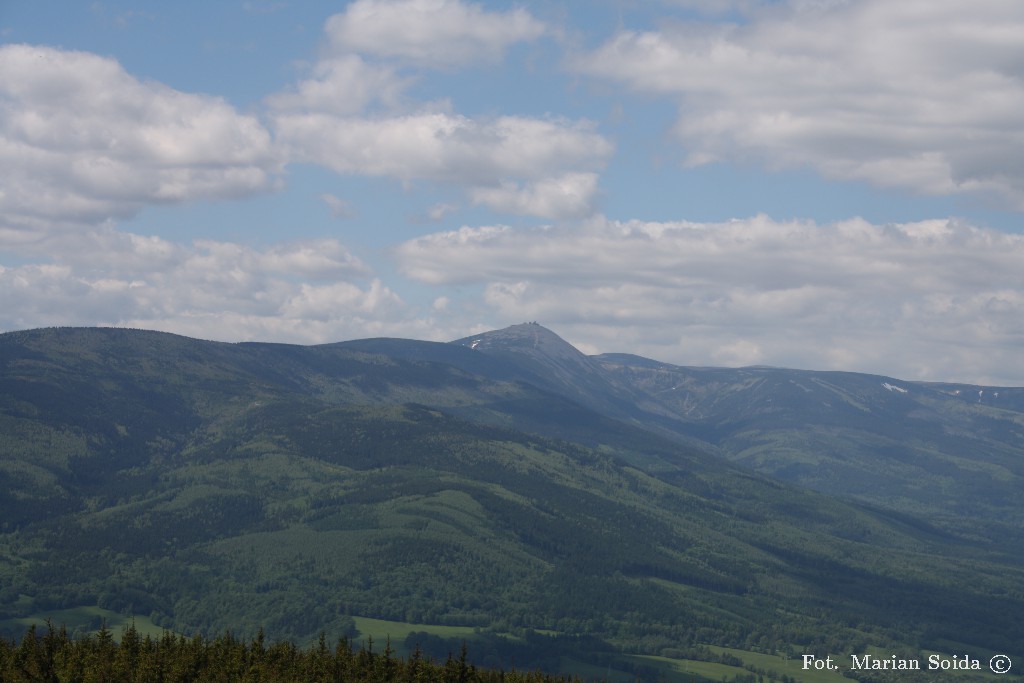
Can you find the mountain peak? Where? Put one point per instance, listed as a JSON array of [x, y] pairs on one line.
[[530, 339], [548, 361]]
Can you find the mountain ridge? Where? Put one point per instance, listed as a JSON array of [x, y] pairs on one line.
[[294, 486], [552, 362], [872, 437], [879, 439]]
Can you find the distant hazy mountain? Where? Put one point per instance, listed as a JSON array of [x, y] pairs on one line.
[[952, 452], [506, 482]]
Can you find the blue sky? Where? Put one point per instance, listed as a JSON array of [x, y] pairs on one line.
[[825, 184]]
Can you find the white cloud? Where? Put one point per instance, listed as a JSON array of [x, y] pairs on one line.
[[350, 115], [339, 207], [567, 196], [439, 211], [919, 95], [83, 142], [321, 259], [720, 7], [438, 33], [929, 300], [307, 291], [488, 157], [343, 85], [442, 147]]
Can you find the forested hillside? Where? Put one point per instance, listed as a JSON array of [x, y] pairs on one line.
[[952, 453], [215, 487], [51, 654]]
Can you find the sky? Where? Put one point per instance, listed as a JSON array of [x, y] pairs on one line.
[[818, 184]]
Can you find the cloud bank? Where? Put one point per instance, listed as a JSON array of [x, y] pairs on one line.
[[352, 114], [436, 33], [918, 96], [82, 142], [922, 95], [919, 300], [301, 292]]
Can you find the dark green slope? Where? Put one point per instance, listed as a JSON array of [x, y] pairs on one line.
[[541, 393], [950, 452], [545, 360], [953, 453], [216, 486]]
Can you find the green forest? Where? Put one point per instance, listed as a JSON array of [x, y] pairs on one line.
[[49, 654], [207, 489], [53, 655]]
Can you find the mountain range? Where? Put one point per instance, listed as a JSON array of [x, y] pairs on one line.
[[606, 506]]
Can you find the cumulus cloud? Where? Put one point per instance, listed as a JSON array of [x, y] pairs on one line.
[[718, 7], [83, 142], [351, 114], [437, 33], [442, 147], [305, 292], [567, 196], [920, 95], [926, 300], [339, 207], [343, 85], [488, 157]]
